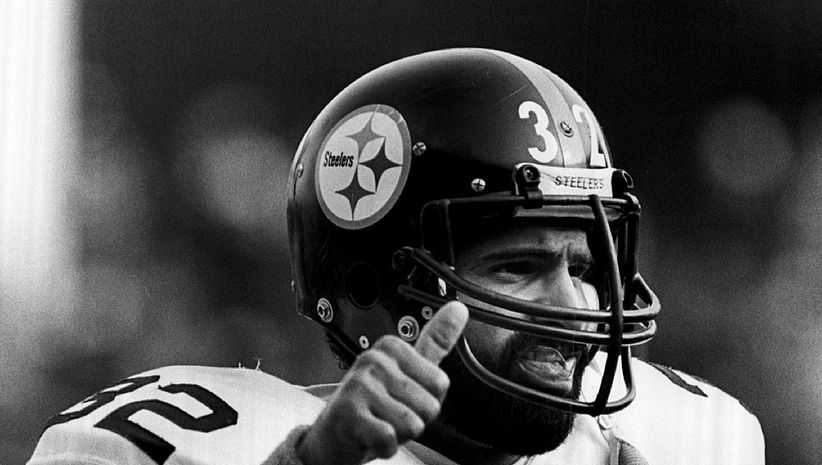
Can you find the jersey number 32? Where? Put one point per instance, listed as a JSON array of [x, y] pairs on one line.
[[221, 416]]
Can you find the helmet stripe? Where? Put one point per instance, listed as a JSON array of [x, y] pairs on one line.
[[573, 154]]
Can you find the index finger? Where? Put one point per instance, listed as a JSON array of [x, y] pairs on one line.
[[439, 336]]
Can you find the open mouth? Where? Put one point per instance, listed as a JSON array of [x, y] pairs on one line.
[[545, 367]]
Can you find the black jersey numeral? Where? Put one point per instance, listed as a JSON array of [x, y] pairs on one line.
[[221, 416], [103, 397]]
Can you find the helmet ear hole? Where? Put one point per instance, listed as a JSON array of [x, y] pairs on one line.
[[362, 284]]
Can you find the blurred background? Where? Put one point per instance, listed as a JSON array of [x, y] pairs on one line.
[[144, 149]]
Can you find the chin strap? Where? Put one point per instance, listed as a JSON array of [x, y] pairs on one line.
[[613, 447], [620, 451]]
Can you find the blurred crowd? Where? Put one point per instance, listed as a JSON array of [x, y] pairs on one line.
[[184, 262]]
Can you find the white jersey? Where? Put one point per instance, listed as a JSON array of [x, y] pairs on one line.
[[191, 415], [675, 419]]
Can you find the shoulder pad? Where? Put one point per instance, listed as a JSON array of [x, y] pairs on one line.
[[679, 418], [180, 414]]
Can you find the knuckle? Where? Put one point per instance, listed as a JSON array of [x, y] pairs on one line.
[[368, 374], [406, 416], [390, 344], [441, 382], [353, 384], [360, 416], [384, 442], [356, 390], [408, 424], [352, 419], [365, 358], [441, 338], [343, 409], [414, 424], [430, 411], [404, 384], [377, 359]]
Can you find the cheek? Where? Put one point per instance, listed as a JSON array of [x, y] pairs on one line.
[[486, 341], [588, 299]]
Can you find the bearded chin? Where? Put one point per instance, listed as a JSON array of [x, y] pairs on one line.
[[499, 420]]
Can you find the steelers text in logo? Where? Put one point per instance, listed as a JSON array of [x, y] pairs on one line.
[[362, 166]]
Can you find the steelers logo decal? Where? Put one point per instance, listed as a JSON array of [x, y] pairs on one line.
[[362, 166]]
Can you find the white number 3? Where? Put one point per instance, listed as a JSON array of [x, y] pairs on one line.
[[548, 153]]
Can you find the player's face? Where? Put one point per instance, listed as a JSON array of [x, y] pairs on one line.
[[535, 263], [539, 264]]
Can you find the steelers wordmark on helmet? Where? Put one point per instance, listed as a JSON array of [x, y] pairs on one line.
[[362, 166]]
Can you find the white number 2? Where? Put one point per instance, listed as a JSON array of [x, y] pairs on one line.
[[541, 127], [598, 159]]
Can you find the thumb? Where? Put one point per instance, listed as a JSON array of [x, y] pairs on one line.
[[439, 336]]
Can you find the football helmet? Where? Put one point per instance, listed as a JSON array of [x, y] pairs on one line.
[[415, 155]]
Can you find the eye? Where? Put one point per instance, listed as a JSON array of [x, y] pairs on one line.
[[514, 270], [581, 269]]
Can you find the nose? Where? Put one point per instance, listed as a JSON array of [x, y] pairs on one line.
[[556, 287], [559, 288]]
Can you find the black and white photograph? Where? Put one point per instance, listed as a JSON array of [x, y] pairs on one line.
[[413, 233]]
